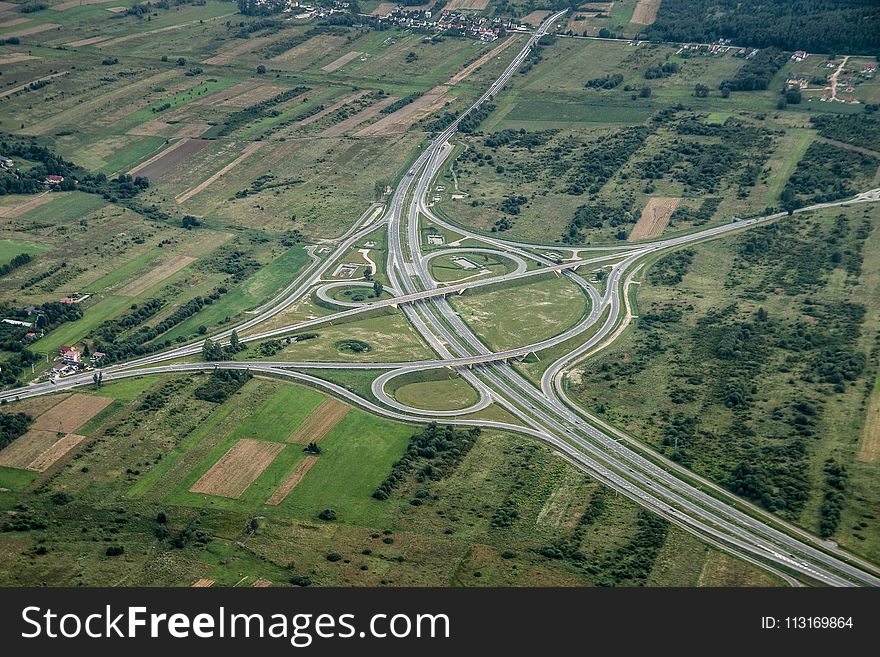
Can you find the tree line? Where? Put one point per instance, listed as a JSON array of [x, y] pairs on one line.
[[431, 454], [851, 26]]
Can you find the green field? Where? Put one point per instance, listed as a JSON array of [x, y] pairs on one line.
[[65, 208], [11, 248], [436, 390], [254, 290], [72, 332], [124, 159], [144, 460], [555, 305]]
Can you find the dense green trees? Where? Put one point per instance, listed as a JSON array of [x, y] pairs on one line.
[[662, 71], [30, 180], [13, 425], [832, 502], [18, 261], [703, 165], [605, 82], [855, 129], [265, 108], [401, 102], [603, 158], [431, 454], [519, 138], [757, 72], [221, 385], [117, 339], [851, 26], [698, 216], [670, 269], [827, 173], [512, 203], [596, 215], [211, 351]]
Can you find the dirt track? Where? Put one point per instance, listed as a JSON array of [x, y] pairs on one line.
[[238, 468], [655, 218], [332, 108], [320, 422], [403, 118], [248, 150], [37, 449], [15, 211], [27, 31], [295, 477], [465, 72], [341, 61], [161, 162], [253, 96], [156, 275], [170, 28], [646, 12], [71, 413], [55, 452], [21, 87], [361, 117], [90, 41], [25, 449], [15, 57], [247, 46]]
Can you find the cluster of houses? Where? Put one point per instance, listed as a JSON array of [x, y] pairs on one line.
[[837, 86], [304, 11], [424, 20], [71, 360]]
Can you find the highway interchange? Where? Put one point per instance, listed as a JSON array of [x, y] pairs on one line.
[[543, 412]]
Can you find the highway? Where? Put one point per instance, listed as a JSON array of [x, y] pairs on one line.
[[543, 412]]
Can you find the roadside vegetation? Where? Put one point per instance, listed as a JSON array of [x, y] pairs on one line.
[[119, 504], [756, 357]]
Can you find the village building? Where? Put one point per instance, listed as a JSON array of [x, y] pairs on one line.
[[18, 322], [70, 355]]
